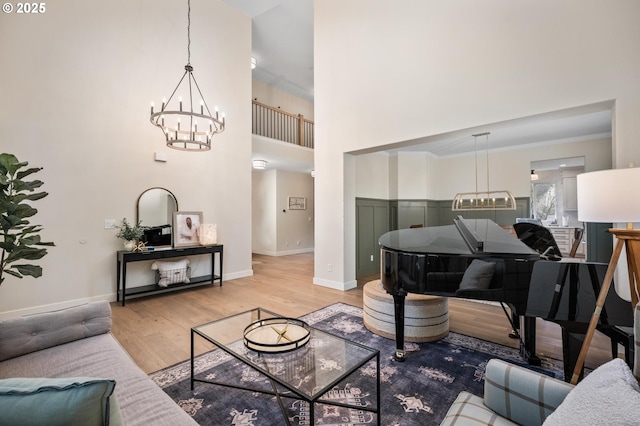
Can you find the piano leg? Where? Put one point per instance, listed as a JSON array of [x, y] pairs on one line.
[[571, 346], [398, 307], [528, 346]]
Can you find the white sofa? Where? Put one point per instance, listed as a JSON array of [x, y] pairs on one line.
[[77, 343]]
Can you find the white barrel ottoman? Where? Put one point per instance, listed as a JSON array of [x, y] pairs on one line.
[[426, 317]]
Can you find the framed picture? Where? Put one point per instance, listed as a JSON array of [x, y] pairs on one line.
[[297, 203], [185, 228]]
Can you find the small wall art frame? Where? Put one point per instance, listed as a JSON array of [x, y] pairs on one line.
[[186, 228], [297, 203]]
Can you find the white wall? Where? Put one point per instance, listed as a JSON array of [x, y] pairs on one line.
[[373, 175], [510, 169], [295, 227], [455, 65], [76, 86], [264, 211], [423, 176], [278, 231]]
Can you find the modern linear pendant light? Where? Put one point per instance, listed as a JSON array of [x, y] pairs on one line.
[[483, 200], [183, 128]]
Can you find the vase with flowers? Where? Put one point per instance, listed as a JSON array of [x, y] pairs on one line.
[[129, 233]]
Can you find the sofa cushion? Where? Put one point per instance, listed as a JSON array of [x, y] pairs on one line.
[[469, 409], [141, 401], [478, 275], [607, 396], [30, 333], [63, 401]]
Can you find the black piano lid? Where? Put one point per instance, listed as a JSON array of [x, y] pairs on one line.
[[447, 240]]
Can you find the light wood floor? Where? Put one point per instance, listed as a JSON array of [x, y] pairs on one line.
[[155, 330]]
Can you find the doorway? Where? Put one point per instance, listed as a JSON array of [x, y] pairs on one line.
[[554, 191]]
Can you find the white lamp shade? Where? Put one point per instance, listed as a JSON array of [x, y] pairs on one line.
[[609, 196], [208, 234]]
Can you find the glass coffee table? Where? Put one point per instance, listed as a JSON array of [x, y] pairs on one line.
[[309, 373]]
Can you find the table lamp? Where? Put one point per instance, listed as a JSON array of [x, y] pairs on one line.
[[611, 196], [208, 234]]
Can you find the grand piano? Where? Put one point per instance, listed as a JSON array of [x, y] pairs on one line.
[[435, 261], [439, 260]]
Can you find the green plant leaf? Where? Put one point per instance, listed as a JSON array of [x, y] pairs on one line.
[[31, 270], [17, 236], [24, 252], [22, 174], [10, 272], [19, 185], [23, 210], [9, 163], [18, 198]]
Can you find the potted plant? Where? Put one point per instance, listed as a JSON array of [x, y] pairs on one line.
[[19, 239], [129, 233]]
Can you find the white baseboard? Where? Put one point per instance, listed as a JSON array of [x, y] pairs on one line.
[[283, 253], [336, 285], [108, 297], [239, 274]]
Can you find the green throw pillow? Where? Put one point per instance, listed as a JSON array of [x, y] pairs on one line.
[[63, 401]]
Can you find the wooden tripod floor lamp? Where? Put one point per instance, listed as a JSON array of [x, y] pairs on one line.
[[611, 196]]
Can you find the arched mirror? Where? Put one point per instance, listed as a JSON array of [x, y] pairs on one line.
[[154, 209]]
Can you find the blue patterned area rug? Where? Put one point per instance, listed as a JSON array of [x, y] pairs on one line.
[[416, 392]]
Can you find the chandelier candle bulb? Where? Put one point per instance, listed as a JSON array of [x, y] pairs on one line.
[[152, 107]]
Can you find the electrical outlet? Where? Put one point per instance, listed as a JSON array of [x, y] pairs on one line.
[[297, 243], [109, 224], [372, 258], [329, 268], [286, 243]]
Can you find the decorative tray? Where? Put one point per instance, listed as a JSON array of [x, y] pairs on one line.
[[275, 335]]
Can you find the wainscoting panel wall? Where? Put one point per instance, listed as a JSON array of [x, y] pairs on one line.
[[372, 220]]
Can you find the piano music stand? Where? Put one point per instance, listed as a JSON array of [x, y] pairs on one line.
[[630, 240]]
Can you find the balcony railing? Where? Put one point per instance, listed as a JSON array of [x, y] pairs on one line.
[[277, 124]]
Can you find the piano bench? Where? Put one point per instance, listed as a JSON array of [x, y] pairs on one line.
[[426, 317], [620, 335]]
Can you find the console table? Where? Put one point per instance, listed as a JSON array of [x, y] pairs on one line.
[[125, 257]]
